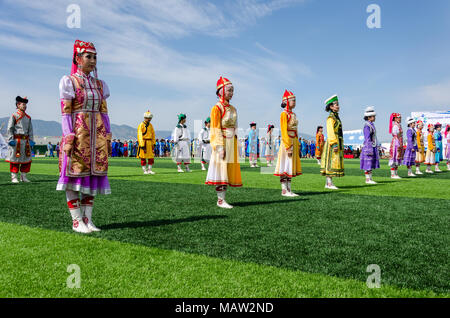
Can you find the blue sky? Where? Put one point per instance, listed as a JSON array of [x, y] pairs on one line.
[[166, 56]]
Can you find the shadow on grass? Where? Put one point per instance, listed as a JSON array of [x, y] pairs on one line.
[[287, 200], [160, 222]]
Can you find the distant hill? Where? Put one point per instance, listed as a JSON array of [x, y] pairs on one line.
[[43, 128]]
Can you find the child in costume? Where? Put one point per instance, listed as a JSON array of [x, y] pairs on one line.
[[430, 158], [270, 146], [370, 159], [332, 163], [320, 143], [396, 149], [205, 143], [146, 139], [86, 141], [439, 148], [409, 159], [20, 140], [253, 146], [288, 161], [182, 139], [224, 169], [420, 153]]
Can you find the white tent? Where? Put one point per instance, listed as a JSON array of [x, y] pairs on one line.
[[3, 147]]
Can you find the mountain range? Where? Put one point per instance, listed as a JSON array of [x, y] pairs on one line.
[[43, 128]]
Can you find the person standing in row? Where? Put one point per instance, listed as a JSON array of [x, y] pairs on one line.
[[182, 139], [439, 150], [396, 149], [411, 146], [146, 140], [224, 169], [420, 153], [205, 143], [86, 140], [430, 158], [20, 140], [320, 142], [370, 158], [253, 146], [270, 146], [288, 161], [332, 163]]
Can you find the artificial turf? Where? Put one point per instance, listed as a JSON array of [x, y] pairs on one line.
[[402, 226]]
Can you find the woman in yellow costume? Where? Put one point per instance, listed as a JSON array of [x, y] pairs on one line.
[[288, 162], [420, 154], [146, 140], [224, 169], [332, 164], [320, 142]]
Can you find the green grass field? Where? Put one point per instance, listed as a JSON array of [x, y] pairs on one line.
[[163, 235]]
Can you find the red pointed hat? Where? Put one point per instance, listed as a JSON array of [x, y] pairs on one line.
[[430, 126], [222, 82], [81, 47], [287, 96]]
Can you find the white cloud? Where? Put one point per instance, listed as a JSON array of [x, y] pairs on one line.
[[133, 38]]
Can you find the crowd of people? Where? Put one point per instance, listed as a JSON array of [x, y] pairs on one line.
[[85, 149]]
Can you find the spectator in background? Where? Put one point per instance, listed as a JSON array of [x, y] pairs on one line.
[[50, 149], [57, 148]]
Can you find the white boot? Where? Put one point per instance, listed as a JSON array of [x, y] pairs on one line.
[[145, 169], [221, 203], [203, 166], [14, 178], [394, 174], [23, 177], [149, 170], [87, 218], [418, 170], [371, 180], [179, 168], [291, 194], [436, 168], [448, 164], [318, 162], [329, 184], [77, 221], [187, 168], [410, 173], [429, 169], [284, 191]]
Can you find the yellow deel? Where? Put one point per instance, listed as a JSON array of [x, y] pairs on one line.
[[146, 140]]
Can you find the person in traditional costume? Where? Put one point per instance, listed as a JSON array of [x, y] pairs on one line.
[[409, 159], [205, 143], [20, 140], [3, 145], [396, 149], [320, 143], [430, 158], [86, 140], [253, 146], [447, 147], [332, 162], [182, 139], [420, 153], [288, 161], [270, 146], [224, 169], [146, 139], [439, 148], [369, 159]]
